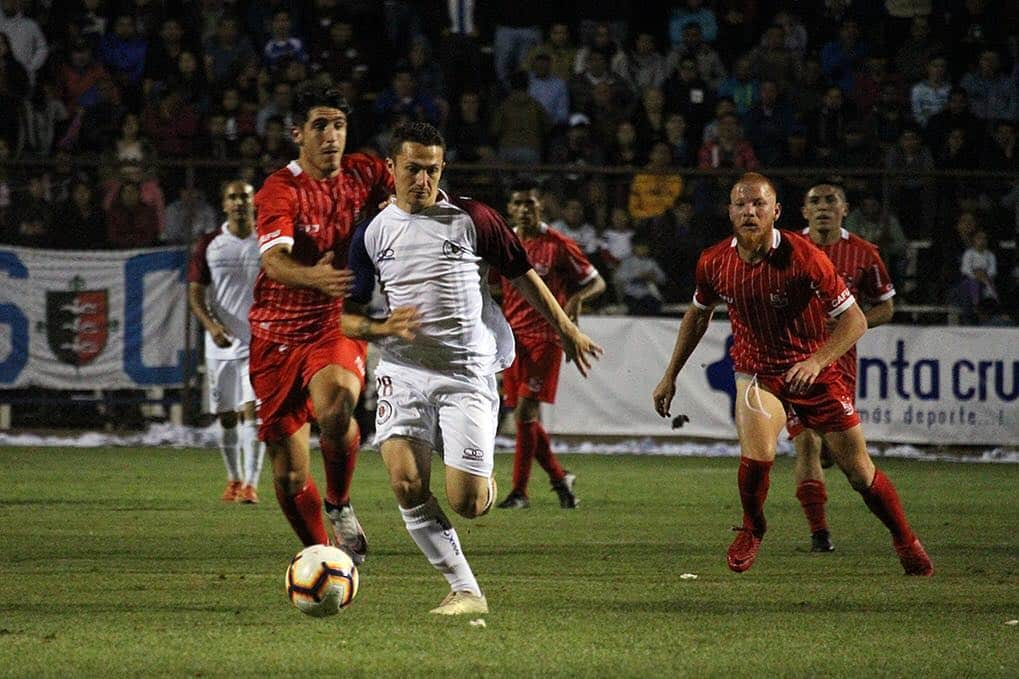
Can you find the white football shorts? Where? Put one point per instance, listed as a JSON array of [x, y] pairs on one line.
[[457, 415], [229, 384]]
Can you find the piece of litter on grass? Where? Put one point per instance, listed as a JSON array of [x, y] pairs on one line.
[[688, 576], [480, 622], [1012, 622]]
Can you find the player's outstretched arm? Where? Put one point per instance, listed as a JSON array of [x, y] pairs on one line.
[[847, 331], [280, 265], [575, 303], [403, 323], [577, 346], [691, 330], [197, 301]]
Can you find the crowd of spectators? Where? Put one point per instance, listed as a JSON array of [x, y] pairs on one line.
[[105, 103]]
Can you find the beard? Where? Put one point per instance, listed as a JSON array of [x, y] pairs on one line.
[[753, 242]]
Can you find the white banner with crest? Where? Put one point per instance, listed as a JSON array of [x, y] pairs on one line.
[[92, 320], [922, 385]]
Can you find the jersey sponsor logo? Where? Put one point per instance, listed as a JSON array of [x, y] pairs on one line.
[[726, 298], [540, 268], [847, 406], [535, 384], [359, 364], [272, 235], [473, 454], [452, 251], [309, 229], [779, 299], [846, 294], [386, 255], [77, 323], [383, 411]]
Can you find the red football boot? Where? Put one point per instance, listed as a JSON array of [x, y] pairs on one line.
[[743, 550], [914, 559]]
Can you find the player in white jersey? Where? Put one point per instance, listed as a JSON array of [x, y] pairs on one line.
[[447, 340], [221, 278]]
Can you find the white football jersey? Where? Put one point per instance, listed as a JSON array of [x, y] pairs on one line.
[[228, 266], [438, 260]]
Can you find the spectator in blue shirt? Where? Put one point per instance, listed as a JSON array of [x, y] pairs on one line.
[[992, 94], [122, 51], [549, 90], [284, 45], [693, 11], [841, 58]]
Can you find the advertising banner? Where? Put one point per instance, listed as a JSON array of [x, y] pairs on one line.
[[922, 385], [92, 320]]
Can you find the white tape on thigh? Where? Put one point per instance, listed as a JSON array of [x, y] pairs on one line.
[[757, 392]]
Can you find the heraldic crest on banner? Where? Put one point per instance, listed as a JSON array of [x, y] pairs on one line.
[[77, 322]]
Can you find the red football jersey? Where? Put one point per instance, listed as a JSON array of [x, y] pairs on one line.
[[859, 263], [773, 303], [563, 267], [312, 217]]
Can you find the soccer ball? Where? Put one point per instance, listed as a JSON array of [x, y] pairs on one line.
[[321, 580]]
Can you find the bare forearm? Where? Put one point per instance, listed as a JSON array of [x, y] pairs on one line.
[[847, 331], [281, 266], [540, 297], [359, 326], [591, 290], [879, 314], [691, 330], [196, 300]]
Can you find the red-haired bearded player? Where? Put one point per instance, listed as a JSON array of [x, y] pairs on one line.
[[780, 290], [302, 367]]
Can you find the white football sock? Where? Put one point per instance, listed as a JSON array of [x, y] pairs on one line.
[[252, 451], [229, 448], [437, 539]]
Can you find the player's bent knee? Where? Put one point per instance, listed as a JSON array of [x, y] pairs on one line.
[[291, 481], [336, 418], [472, 503]]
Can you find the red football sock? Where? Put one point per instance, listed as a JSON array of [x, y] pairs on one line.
[[753, 491], [813, 496], [304, 512], [883, 501], [522, 456], [544, 455], [340, 465]]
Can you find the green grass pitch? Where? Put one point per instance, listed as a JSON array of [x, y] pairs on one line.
[[123, 562]]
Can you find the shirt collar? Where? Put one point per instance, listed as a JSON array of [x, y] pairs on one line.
[[843, 234]]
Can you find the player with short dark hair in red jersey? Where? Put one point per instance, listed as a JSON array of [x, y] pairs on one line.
[[780, 291], [860, 265], [302, 367], [534, 375]]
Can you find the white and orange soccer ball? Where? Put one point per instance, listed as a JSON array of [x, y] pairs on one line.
[[321, 580]]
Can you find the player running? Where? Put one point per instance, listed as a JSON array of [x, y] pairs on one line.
[[302, 367], [221, 276], [436, 379], [860, 265], [780, 291], [534, 375]]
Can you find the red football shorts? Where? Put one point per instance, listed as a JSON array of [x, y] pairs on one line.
[[829, 405], [280, 374], [535, 372]]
